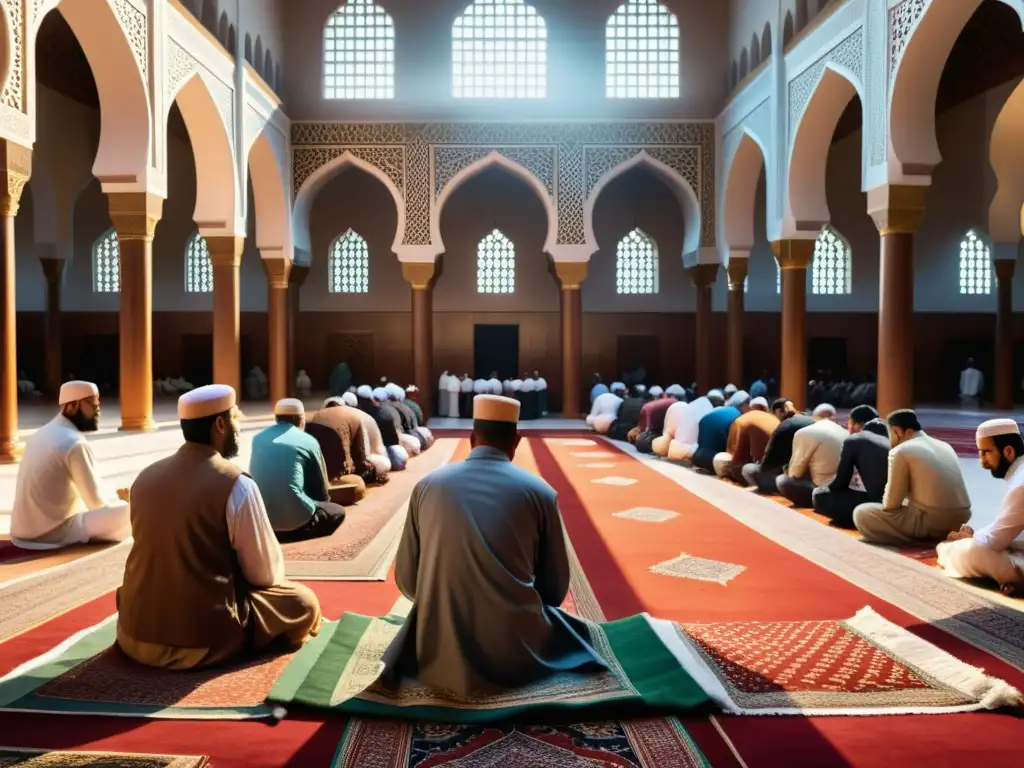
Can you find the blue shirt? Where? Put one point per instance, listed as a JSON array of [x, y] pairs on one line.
[[599, 389], [288, 467], [713, 430], [758, 389]]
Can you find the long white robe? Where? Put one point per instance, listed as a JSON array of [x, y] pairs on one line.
[[442, 395], [604, 412], [674, 413], [971, 382], [684, 444], [451, 396]]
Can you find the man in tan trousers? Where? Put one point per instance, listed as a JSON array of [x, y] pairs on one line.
[[925, 495]]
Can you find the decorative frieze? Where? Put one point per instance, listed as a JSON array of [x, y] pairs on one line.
[[13, 94]]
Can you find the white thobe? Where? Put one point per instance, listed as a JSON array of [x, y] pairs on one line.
[[506, 387], [528, 385], [495, 386], [672, 417], [252, 536], [467, 385], [604, 412], [971, 382], [481, 387], [442, 396], [60, 499], [451, 395], [684, 444]]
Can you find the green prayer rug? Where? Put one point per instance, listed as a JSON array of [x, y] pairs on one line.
[[338, 671]]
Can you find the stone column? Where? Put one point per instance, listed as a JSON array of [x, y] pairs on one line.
[[15, 167], [135, 216], [420, 275], [703, 277], [897, 211], [295, 281], [1004, 269], [571, 275], [277, 271], [226, 258], [737, 272], [53, 270], [794, 256]]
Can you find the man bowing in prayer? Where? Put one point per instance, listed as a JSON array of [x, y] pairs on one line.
[[483, 560], [997, 551], [204, 582], [60, 499]]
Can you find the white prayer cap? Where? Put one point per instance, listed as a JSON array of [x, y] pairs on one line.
[[641, 388], [290, 406], [730, 390], [542, 384], [824, 410], [351, 389], [206, 401], [617, 386], [675, 390], [73, 391], [412, 388], [350, 399], [380, 394], [393, 388], [364, 392], [496, 408], [759, 402], [994, 427], [657, 391], [712, 392], [333, 401], [738, 398]]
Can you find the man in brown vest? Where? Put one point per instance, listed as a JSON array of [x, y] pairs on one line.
[[204, 583]]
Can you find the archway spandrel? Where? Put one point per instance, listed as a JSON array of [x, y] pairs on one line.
[[450, 161], [13, 94], [134, 23], [308, 160], [847, 56]]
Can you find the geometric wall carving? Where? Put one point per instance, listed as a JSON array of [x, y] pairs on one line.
[[848, 54], [180, 67], [902, 20], [134, 22], [449, 161], [14, 91]]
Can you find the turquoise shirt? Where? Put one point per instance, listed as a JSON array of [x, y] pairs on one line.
[[288, 467]]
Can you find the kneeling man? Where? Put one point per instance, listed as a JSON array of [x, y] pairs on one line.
[[60, 499], [483, 558], [204, 583]]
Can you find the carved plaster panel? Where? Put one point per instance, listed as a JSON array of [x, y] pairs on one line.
[[14, 90], [903, 19], [307, 160], [134, 22], [450, 161], [848, 54], [180, 67], [758, 121], [224, 98], [877, 104], [14, 122]]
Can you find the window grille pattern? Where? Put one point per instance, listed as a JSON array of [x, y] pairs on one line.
[[198, 269], [642, 52], [636, 264], [975, 265], [832, 268], [106, 264], [499, 51], [348, 265], [496, 264], [359, 53]]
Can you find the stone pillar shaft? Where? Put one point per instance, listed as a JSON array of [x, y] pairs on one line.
[[737, 271], [1004, 269], [277, 271], [226, 258], [703, 277], [15, 168], [420, 275], [794, 256], [297, 278], [571, 275], [53, 270]]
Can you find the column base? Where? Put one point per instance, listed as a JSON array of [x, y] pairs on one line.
[[138, 425], [11, 451]]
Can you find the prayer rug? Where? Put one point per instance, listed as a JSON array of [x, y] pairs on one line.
[[647, 514], [88, 675], [42, 758], [689, 567], [862, 666], [613, 480]]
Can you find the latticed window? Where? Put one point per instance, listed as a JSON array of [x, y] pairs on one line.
[[495, 264], [642, 52], [636, 264], [832, 268], [359, 53], [198, 269], [975, 265], [499, 51], [106, 264], [348, 266], [778, 278]]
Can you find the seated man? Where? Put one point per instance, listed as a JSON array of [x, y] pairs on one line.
[[368, 404], [339, 432], [59, 498], [204, 582], [713, 436], [753, 431], [483, 559], [925, 496], [629, 414], [603, 412], [684, 444], [373, 441], [289, 470], [997, 551], [815, 459], [652, 421], [863, 466], [763, 474]]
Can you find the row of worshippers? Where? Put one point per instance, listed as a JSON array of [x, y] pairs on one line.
[[456, 394], [843, 393]]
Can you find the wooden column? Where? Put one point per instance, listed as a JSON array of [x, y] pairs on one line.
[[703, 277], [15, 167], [226, 258], [571, 275], [277, 271], [737, 272], [897, 211], [135, 216], [1004, 269], [794, 256], [295, 281], [420, 275], [53, 270]]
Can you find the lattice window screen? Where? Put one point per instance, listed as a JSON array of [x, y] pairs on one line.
[[348, 266], [106, 264], [496, 264], [198, 269], [359, 52], [499, 51], [642, 52], [832, 268], [975, 265], [636, 264]]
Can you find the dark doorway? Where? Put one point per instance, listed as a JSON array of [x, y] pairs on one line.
[[827, 356], [954, 358], [355, 349], [633, 353], [100, 361], [197, 359], [496, 348]]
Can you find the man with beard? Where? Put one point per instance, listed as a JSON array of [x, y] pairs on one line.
[[60, 499], [995, 552], [204, 583]]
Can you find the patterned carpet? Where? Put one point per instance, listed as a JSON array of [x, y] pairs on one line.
[[26, 758]]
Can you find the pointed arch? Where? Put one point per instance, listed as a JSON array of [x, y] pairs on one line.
[[832, 268], [248, 48], [688, 200], [198, 269], [733, 76], [1006, 156], [257, 55], [494, 159], [636, 264], [657, 55], [975, 264], [495, 264], [232, 44], [348, 264], [742, 176], [270, 197], [766, 41], [268, 68], [106, 263], [521, 72]]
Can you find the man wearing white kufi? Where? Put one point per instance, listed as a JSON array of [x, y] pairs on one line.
[[729, 391], [408, 442], [656, 391], [484, 562], [997, 551], [371, 406], [412, 413], [204, 583], [676, 390], [684, 444], [451, 396], [60, 499]]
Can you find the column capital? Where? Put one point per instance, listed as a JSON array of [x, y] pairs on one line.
[[225, 251], [897, 208], [571, 274], [135, 214], [299, 274], [277, 271], [793, 254], [1004, 269], [53, 269], [736, 269], [703, 275], [16, 168], [419, 274]]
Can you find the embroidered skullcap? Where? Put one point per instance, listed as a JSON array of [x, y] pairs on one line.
[[738, 398], [290, 406], [380, 394], [730, 390], [206, 401], [73, 391], [364, 392], [656, 391], [349, 399], [759, 403], [994, 427], [496, 408]]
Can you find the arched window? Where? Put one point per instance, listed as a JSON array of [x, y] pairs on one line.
[[642, 52], [975, 265], [636, 264], [106, 263], [198, 269], [359, 52], [348, 264], [832, 269], [499, 51], [496, 264]]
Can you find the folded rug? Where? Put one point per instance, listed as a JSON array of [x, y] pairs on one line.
[[43, 758]]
